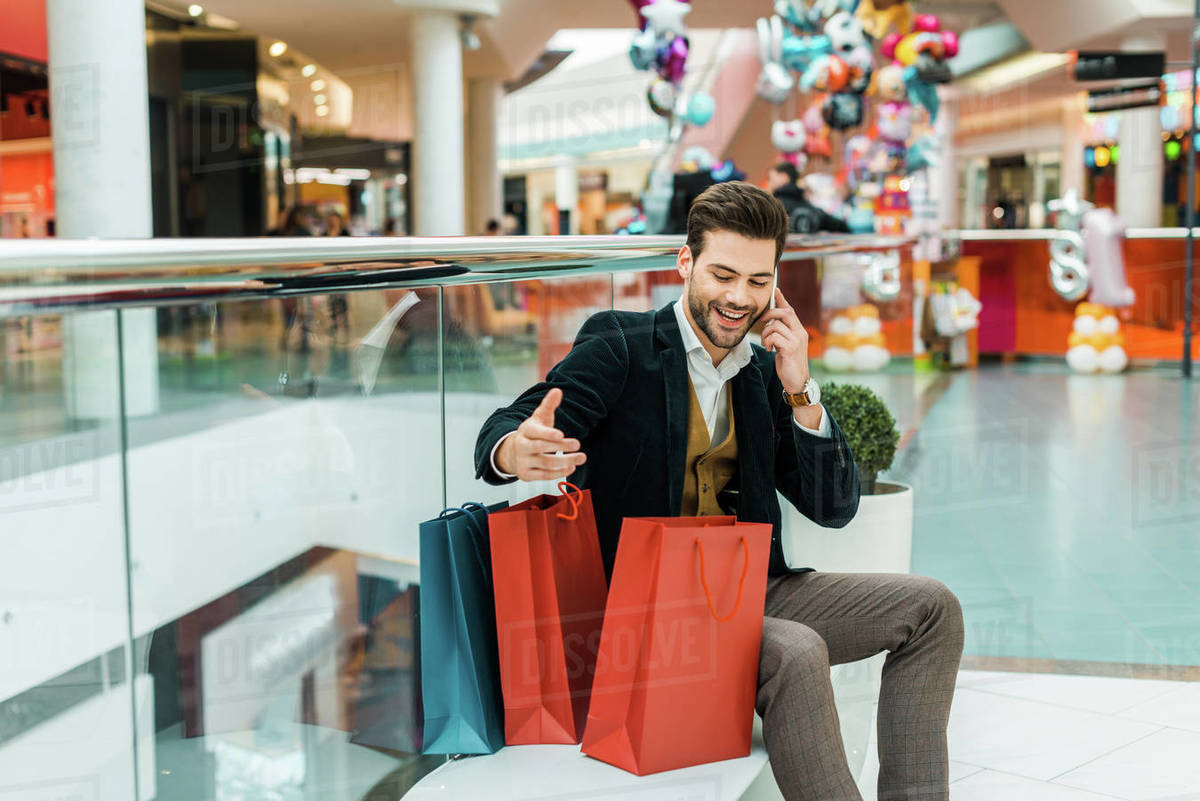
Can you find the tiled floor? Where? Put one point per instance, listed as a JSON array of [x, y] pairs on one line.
[[1046, 737], [1064, 510]]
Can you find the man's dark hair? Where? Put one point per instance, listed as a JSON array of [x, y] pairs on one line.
[[788, 169], [738, 207]]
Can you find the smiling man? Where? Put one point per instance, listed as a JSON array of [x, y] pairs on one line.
[[675, 412]]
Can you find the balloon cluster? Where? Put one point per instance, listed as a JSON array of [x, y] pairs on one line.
[[661, 46], [836, 61], [827, 47]]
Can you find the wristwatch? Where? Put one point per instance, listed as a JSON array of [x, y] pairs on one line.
[[809, 396]]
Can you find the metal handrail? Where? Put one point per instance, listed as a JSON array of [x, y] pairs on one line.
[[44, 276], [54, 275], [1047, 234]]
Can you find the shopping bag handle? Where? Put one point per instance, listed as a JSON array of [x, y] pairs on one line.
[[574, 500], [741, 582], [479, 535]]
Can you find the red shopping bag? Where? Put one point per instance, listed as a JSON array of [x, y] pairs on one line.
[[550, 592], [677, 669]]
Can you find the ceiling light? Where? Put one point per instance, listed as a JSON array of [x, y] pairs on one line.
[[195, 10], [308, 70], [318, 84], [277, 49], [320, 100], [354, 173], [322, 111]]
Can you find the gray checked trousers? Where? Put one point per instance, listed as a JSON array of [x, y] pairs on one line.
[[814, 620]]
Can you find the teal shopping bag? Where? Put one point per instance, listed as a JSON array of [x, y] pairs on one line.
[[460, 670]]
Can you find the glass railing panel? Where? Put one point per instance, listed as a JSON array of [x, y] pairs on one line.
[[65, 693], [500, 340], [275, 493]]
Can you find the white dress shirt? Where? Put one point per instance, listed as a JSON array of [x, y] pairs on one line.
[[711, 383]]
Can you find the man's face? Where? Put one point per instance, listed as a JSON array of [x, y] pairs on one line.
[[776, 179], [729, 286]]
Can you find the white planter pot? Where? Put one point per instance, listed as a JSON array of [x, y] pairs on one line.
[[877, 540]]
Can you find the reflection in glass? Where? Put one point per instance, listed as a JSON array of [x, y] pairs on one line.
[[500, 340], [274, 503], [65, 694]]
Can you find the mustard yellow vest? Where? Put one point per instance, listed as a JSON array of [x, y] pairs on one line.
[[707, 469]]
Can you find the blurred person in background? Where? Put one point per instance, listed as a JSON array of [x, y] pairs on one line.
[[804, 217], [335, 224], [339, 307], [296, 222]]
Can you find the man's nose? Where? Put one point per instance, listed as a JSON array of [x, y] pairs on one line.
[[738, 297]]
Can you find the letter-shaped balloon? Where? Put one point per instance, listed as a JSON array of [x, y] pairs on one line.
[[1103, 234]]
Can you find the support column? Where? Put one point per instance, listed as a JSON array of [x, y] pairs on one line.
[[1140, 167], [487, 186], [1073, 175], [944, 179], [566, 197], [99, 102], [439, 207]]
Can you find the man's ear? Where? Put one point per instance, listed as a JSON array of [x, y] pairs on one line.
[[684, 263]]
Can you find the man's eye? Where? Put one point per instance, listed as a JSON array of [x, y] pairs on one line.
[[758, 284], [723, 278]]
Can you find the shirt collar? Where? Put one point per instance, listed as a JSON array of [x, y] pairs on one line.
[[736, 359]]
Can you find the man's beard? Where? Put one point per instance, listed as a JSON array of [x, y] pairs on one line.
[[721, 337]]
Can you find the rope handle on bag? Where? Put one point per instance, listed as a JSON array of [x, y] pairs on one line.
[[479, 534], [563, 486], [741, 582]]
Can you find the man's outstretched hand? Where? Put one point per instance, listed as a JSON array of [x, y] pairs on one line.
[[538, 451]]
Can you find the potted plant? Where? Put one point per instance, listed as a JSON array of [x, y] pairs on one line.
[[879, 538], [868, 426]]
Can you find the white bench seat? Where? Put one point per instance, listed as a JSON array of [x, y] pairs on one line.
[[564, 773]]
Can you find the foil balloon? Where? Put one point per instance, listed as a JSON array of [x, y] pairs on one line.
[[666, 17], [700, 108], [894, 122], [890, 85], [788, 137], [800, 14], [676, 62], [881, 17], [798, 52], [638, 5], [774, 83], [1068, 271], [921, 92], [643, 50], [826, 74], [725, 171], [845, 34], [697, 158], [817, 142], [881, 279], [661, 96], [842, 110], [922, 153], [1103, 234]]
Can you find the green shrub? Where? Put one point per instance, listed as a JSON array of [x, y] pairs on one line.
[[868, 426]]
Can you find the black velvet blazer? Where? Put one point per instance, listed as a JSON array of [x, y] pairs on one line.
[[625, 398]]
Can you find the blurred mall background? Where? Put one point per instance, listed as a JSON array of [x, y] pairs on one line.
[[342, 234]]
